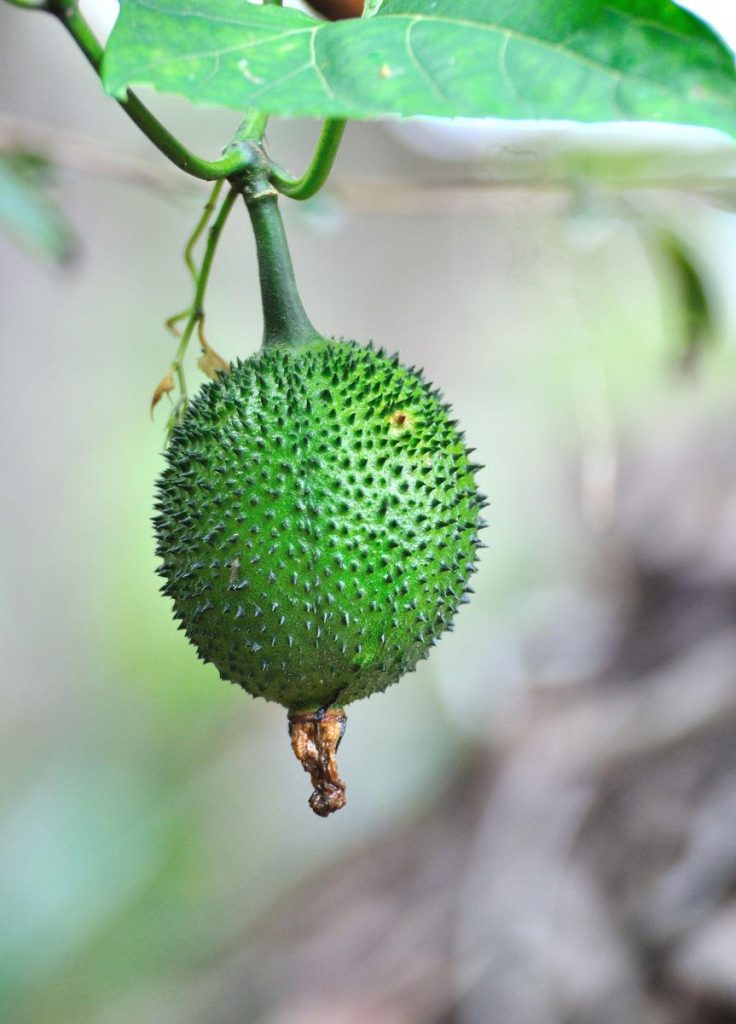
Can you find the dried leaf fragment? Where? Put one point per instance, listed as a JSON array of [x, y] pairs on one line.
[[210, 362], [164, 386]]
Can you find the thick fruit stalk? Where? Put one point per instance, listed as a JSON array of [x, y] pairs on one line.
[[284, 320]]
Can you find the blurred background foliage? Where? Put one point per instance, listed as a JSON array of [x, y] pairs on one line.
[[539, 825]]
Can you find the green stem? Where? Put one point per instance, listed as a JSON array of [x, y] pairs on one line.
[[189, 251], [284, 319], [236, 159], [251, 128], [319, 169], [199, 229], [209, 253], [197, 309]]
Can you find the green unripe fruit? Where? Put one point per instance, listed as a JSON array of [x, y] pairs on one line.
[[318, 523], [318, 515]]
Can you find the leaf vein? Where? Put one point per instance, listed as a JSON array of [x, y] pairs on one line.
[[417, 63], [505, 70], [496, 28], [320, 73], [285, 78], [215, 54], [251, 19]]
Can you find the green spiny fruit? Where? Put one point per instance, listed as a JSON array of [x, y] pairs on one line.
[[318, 518], [318, 523]]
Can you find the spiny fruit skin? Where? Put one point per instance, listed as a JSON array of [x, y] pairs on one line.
[[317, 522]]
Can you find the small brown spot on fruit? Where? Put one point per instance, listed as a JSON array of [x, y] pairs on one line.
[[400, 422], [385, 71]]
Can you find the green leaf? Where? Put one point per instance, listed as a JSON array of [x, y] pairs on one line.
[[589, 60], [26, 212]]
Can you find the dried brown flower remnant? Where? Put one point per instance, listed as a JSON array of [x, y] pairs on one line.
[[315, 737]]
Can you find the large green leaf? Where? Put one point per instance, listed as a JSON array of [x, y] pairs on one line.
[[587, 60], [26, 212]]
